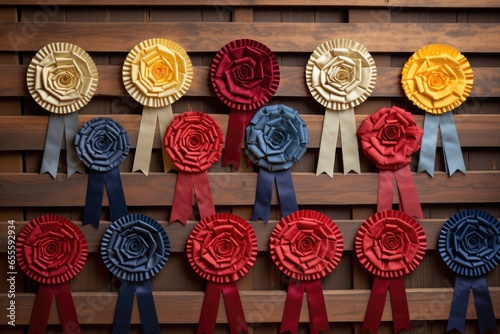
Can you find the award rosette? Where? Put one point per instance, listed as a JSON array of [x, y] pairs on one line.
[[51, 250], [389, 137], [222, 248], [438, 78], [245, 75], [61, 78], [102, 144], [469, 243], [194, 142], [389, 244], [134, 249], [340, 74], [156, 73], [276, 139], [306, 246]]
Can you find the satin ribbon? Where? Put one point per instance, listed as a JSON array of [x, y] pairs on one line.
[[65, 307], [263, 194], [408, 197], [210, 307], [318, 317], [182, 206], [376, 303], [237, 123], [451, 145], [145, 302], [95, 192], [67, 123], [482, 304], [345, 122], [145, 138]]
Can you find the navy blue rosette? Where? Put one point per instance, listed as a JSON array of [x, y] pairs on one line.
[[102, 144], [469, 243], [134, 249], [276, 140]]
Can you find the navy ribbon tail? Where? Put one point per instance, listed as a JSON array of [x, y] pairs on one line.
[[263, 195], [116, 197], [124, 306], [147, 307], [93, 199], [286, 192]]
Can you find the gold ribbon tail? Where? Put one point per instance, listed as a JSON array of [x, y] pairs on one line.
[[328, 143], [165, 117], [145, 138], [349, 141]]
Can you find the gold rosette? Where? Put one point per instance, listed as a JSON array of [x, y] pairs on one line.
[[340, 74], [62, 78], [156, 73]]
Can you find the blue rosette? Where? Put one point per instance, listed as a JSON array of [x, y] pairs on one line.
[[134, 249], [469, 243], [276, 139], [102, 144]]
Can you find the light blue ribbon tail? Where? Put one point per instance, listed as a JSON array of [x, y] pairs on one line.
[[452, 151], [52, 148], [429, 144]]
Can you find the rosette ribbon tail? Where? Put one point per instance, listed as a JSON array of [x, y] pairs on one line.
[[238, 121], [146, 305], [210, 307], [376, 303], [65, 306], [482, 304], [451, 145], [293, 305]]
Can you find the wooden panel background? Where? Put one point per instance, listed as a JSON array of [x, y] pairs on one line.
[[107, 29]]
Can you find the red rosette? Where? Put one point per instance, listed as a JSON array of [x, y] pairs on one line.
[[306, 245], [51, 249], [194, 141], [390, 244], [222, 248]]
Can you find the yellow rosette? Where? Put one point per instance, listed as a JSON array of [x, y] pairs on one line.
[[61, 78], [340, 74], [438, 78], [156, 73]]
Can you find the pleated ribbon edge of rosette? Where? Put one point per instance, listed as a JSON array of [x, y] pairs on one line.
[[340, 75], [222, 248], [61, 78], [437, 79], [51, 250], [244, 75], [379, 245], [469, 244], [156, 73]]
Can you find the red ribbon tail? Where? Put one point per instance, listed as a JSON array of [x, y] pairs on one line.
[[376, 304], [203, 194], [66, 307], [182, 206], [408, 197], [41, 309], [385, 190], [293, 306], [317, 308], [234, 138], [209, 309], [399, 305], [234, 309]]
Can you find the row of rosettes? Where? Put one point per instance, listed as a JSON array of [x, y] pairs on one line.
[[305, 245]]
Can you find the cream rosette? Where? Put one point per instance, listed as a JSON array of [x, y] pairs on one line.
[[156, 73], [340, 74]]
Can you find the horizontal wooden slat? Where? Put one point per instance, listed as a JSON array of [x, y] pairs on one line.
[[279, 37], [239, 189], [292, 82], [259, 306]]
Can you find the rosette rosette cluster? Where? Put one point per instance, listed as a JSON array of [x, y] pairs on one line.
[[222, 248], [102, 144], [306, 246], [437, 79], [389, 137], [340, 74], [194, 142], [51, 250], [469, 243], [134, 249], [245, 75], [156, 73], [276, 139], [389, 244], [61, 78]]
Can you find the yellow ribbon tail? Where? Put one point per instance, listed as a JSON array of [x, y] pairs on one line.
[[349, 141], [165, 117], [328, 143], [145, 138]]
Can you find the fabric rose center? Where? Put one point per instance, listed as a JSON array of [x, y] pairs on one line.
[[135, 246], [161, 72], [306, 244], [391, 133], [244, 73], [223, 247], [65, 79], [392, 242], [474, 242], [342, 76], [277, 138]]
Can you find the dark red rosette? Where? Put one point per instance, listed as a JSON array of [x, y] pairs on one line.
[[389, 244], [194, 142], [306, 245], [52, 250], [245, 75], [222, 248]]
